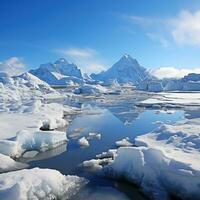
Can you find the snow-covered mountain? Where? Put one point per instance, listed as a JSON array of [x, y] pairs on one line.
[[59, 73], [126, 70]]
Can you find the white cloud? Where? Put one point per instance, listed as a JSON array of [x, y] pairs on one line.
[[158, 38], [12, 66], [86, 58], [171, 72], [186, 28], [139, 20], [77, 52]]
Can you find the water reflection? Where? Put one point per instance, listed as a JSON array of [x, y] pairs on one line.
[[111, 127]]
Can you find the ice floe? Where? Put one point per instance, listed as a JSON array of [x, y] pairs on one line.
[[83, 142], [28, 141], [93, 135], [124, 142]]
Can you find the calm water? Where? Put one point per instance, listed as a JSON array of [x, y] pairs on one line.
[[114, 122]]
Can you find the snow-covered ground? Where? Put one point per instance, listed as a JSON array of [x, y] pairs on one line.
[[38, 184], [27, 118], [165, 161]]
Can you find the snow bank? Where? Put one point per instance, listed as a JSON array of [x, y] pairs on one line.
[[83, 142], [27, 141], [8, 164], [38, 184], [32, 116], [178, 141], [166, 161]]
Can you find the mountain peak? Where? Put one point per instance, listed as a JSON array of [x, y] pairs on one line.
[[61, 61], [126, 56], [126, 70]]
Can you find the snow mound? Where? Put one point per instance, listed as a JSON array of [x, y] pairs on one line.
[[38, 184], [165, 163]]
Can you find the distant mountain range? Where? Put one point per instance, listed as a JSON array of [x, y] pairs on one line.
[[126, 70]]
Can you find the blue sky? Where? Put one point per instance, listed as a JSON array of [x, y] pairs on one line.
[[96, 33]]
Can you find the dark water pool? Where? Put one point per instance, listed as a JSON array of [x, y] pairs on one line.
[[113, 125]]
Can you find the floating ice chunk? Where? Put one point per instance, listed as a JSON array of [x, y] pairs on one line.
[[27, 141], [123, 143], [38, 184], [111, 153], [94, 136], [8, 164], [83, 142], [92, 165], [96, 164]]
